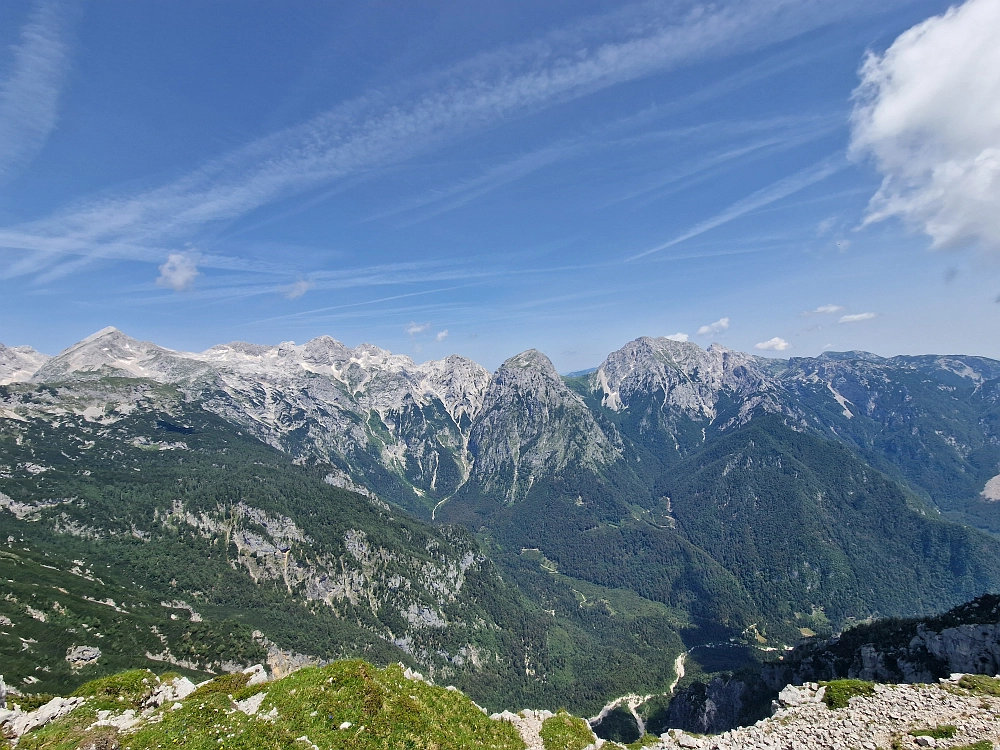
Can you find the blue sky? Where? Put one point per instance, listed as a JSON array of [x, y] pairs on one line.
[[453, 177]]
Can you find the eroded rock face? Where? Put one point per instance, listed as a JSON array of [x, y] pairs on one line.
[[709, 708], [684, 376], [14, 723], [532, 425], [929, 655], [966, 648]]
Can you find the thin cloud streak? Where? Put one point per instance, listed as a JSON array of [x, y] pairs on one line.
[[372, 132], [774, 192], [308, 314], [711, 166], [468, 190], [29, 96]]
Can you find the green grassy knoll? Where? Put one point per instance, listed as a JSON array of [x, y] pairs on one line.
[[349, 704]]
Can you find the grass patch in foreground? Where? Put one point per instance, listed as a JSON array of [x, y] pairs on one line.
[[839, 692], [981, 745], [379, 709], [980, 684], [565, 732], [940, 732]]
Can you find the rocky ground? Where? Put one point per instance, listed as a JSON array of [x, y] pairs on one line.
[[882, 720]]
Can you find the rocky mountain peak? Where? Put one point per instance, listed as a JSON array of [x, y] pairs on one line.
[[458, 381], [532, 358], [532, 424], [236, 351], [681, 375], [324, 350], [19, 363], [528, 375], [110, 348]]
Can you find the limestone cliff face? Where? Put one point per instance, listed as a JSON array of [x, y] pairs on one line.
[[687, 378], [966, 639], [531, 425], [974, 649], [709, 708]]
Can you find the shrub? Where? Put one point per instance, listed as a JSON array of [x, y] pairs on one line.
[[940, 732], [128, 687], [227, 684], [30, 702]]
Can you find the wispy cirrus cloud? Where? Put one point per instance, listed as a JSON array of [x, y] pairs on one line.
[[823, 310], [29, 93], [764, 197], [380, 129], [857, 317]]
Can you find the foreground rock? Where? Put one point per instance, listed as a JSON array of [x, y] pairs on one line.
[[881, 720], [965, 639]]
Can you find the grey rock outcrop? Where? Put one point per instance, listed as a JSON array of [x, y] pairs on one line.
[[685, 378], [884, 719], [531, 425], [19, 363], [14, 722], [917, 652], [709, 708], [82, 656]]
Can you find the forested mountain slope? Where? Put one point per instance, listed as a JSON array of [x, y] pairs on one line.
[[672, 494], [161, 534]]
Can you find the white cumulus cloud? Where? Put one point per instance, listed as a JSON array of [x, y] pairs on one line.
[[927, 112], [412, 329], [441, 335], [677, 337], [717, 327], [776, 345], [178, 273], [856, 318]]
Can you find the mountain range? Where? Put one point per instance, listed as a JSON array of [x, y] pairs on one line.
[[672, 496]]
